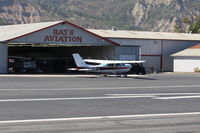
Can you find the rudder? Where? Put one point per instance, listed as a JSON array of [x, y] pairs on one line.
[[79, 60]]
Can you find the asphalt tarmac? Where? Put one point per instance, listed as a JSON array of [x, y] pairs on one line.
[[157, 103]]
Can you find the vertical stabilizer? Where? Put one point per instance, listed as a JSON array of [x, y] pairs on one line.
[[79, 61]]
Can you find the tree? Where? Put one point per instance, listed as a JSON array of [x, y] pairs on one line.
[[192, 24], [195, 26], [3, 22], [177, 28]]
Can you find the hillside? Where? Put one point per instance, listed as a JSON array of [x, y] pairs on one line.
[[149, 15]]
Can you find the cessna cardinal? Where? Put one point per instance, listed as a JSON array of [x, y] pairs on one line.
[[103, 66]]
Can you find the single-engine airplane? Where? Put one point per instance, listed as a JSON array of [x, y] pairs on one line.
[[103, 66]]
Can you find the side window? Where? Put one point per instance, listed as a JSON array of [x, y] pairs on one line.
[[118, 65], [123, 65]]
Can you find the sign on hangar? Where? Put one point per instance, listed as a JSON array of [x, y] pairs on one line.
[[60, 33]]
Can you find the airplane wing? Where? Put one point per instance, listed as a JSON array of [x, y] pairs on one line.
[[79, 69], [113, 61]]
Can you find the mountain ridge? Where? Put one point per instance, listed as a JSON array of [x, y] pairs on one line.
[[148, 15]]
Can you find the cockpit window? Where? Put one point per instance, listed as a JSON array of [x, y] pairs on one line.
[[110, 65], [92, 63], [116, 65], [119, 65]]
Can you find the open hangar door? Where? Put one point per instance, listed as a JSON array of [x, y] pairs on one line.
[[51, 59], [48, 47]]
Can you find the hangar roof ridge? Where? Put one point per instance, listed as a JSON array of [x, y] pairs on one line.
[[11, 32], [127, 34]]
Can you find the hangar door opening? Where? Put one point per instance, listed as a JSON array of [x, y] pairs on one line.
[[51, 59]]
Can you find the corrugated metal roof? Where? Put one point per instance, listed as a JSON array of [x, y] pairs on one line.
[[8, 32], [12, 31], [188, 52], [146, 35], [195, 47], [192, 51]]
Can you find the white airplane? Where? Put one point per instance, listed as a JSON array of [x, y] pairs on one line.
[[103, 66]]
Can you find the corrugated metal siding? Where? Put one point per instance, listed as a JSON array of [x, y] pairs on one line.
[[131, 52], [152, 63], [3, 58], [147, 46], [170, 47], [164, 48]]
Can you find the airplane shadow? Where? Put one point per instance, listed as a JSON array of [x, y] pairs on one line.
[[116, 77], [144, 78]]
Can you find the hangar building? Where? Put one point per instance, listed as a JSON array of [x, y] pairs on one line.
[[49, 45], [156, 47], [187, 60]]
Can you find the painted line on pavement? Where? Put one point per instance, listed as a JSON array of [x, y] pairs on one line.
[[99, 117], [100, 88], [72, 98], [164, 96], [160, 96], [178, 97], [153, 94]]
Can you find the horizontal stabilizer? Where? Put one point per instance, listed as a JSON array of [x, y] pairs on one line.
[[79, 69], [85, 69], [72, 69], [114, 61]]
